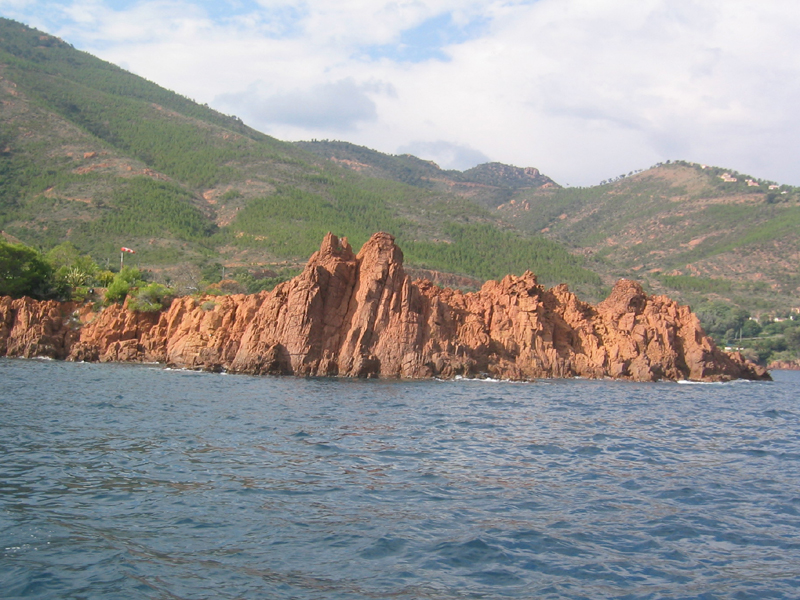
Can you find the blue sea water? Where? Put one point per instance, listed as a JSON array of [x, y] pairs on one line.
[[139, 482]]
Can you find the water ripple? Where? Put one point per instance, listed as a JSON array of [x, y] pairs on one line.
[[136, 482]]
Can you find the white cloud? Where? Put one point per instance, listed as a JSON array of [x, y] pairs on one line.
[[15, 5], [337, 106], [582, 89]]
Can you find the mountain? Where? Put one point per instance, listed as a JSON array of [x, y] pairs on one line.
[[681, 227], [102, 158], [96, 156], [692, 231]]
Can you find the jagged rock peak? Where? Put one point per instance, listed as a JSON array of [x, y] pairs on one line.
[[626, 297], [333, 246]]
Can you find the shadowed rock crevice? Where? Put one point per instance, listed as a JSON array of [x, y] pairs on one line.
[[361, 316]]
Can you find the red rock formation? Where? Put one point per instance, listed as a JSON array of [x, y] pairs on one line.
[[29, 328], [784, 365], [362, 316]]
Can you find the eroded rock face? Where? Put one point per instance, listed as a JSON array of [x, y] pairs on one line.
[[29, 328], [362, 316]]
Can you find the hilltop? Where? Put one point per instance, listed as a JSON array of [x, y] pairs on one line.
[[680, 227], [489, 184]]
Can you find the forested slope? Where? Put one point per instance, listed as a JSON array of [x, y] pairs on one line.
[[102, 158], [691, 230]]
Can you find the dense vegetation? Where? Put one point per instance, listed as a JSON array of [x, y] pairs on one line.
[[23, 271], [765, 340], [293, 220], [144, 207], [474, 247], [65, 274], [474, 250]]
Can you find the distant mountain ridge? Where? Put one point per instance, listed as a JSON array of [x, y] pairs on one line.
[[489, 184]]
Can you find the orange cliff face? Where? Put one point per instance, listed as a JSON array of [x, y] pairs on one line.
[[362, 316]]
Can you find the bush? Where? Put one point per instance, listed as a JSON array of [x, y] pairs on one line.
[[80, 293], [104, 278], [23, 272], [122, 284], [792, 337], [117, 290], [71, 269], [721, 320], [750, 328], [130, 275], [152, 298]]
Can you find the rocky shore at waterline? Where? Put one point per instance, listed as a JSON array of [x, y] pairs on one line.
[[361, 315]]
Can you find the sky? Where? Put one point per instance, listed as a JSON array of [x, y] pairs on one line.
[[583, 90]]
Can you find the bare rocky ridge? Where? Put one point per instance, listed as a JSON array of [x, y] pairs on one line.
[[362, 316]]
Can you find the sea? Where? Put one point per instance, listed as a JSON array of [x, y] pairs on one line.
[[136, 481]]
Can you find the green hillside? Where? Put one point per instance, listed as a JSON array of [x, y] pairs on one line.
[[685, 229], [698, 233], [723, 242], [101, 158]]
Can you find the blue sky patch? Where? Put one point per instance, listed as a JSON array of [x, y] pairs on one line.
[[427, 40], [216, 9], [281, 21]]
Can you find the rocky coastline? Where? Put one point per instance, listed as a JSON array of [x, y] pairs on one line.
[[784, 365], [361, 315]]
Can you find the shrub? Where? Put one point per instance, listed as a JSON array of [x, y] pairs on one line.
[[130, 275], [152, 298], [104, 278], [80, 293], [122, 284], [23, 272], [117, 290]]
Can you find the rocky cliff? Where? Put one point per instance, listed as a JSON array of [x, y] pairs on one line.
[[362, 316]]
